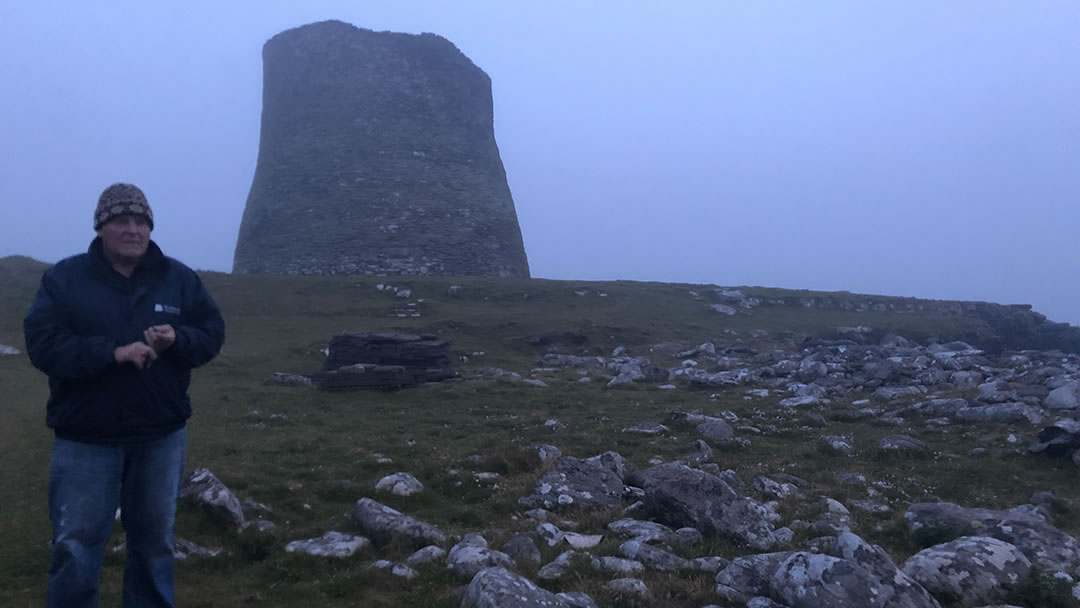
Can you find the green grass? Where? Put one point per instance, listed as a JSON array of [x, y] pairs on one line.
[[309, 454]]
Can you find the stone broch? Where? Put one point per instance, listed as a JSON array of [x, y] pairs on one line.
[[377, 156]]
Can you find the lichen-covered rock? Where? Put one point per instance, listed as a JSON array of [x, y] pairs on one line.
[[651, 557], [679, 496], [577, 599], [204, 488], [900, 590], [523, 550], [716, 430], [750, 574], [576, 483], [382, 524], [331, 544], [644, 531], [1065, 397], [184, 549], [395, 569], [837, 444], [558, 567], [806, 580], [901, 443], [472, 555], [973, 570], [612, 461], [400, 484], [426, 555], [629, 586], [1041, 542], [611, 565], [500, 588]]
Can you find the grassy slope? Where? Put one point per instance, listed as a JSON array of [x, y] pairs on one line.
[[309, 455]]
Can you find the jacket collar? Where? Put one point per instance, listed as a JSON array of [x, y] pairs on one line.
[[153, 261]]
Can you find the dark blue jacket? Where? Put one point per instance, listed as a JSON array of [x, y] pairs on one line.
[[84, 309]]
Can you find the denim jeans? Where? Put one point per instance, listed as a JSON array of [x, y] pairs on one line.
[[87, 482]]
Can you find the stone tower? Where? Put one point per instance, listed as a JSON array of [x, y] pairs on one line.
[[377, 156]]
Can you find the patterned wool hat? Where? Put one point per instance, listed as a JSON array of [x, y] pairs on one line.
[[120, 199]]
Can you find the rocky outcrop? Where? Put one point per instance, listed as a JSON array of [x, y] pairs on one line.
[[377, 156]]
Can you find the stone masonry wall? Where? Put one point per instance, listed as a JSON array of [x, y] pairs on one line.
[[377, 156]]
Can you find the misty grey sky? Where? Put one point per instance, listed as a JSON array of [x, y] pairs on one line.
[[922, 148]]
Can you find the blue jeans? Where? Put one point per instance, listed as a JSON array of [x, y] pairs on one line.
[[87, 481]]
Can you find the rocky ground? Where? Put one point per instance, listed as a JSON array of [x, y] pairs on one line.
[[661, 513]]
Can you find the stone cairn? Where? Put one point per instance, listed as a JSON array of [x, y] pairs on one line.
[[386, 360]]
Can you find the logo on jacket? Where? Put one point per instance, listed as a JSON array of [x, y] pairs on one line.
[[172, 310]]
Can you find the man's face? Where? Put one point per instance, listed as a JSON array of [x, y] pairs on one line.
[[125, 237]]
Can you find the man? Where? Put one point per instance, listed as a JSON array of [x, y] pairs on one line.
[[118, 331]]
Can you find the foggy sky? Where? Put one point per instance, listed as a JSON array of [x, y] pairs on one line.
[[924, 148]]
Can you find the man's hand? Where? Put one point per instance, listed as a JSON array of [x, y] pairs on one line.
[[160, 337], [138, 354]]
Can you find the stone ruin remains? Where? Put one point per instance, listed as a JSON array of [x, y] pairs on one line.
[[377, 156]]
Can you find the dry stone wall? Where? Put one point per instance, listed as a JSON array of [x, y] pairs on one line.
[[377, 155]]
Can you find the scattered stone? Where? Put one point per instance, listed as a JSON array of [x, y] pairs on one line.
[[471, 555], [331, 544], [716, 430], [679, 496], [395, 569], [1027, 529], [523, 550], [286, 379], [576, 483], [184, 549], [204, 488], [838, 444], [1065, 397], [500, 588], [557, 568], [652, 557], [901, 443], [400, 484], [648, 428], [975, 570], [426, 555], [632, 586], [582, 541], [382, 524], [611, 565]]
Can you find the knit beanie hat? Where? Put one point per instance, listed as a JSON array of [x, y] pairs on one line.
[[120, 199]]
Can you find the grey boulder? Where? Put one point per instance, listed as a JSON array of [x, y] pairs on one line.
[[652, 557], [807, 580], [331, 544], [471, 555], [576, 483], [1039, 541], [500, 588], [679, 496], [972, 570], [382, 524], [204, 488]]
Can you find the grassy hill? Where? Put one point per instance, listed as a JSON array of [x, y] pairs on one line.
[[311, 454]]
